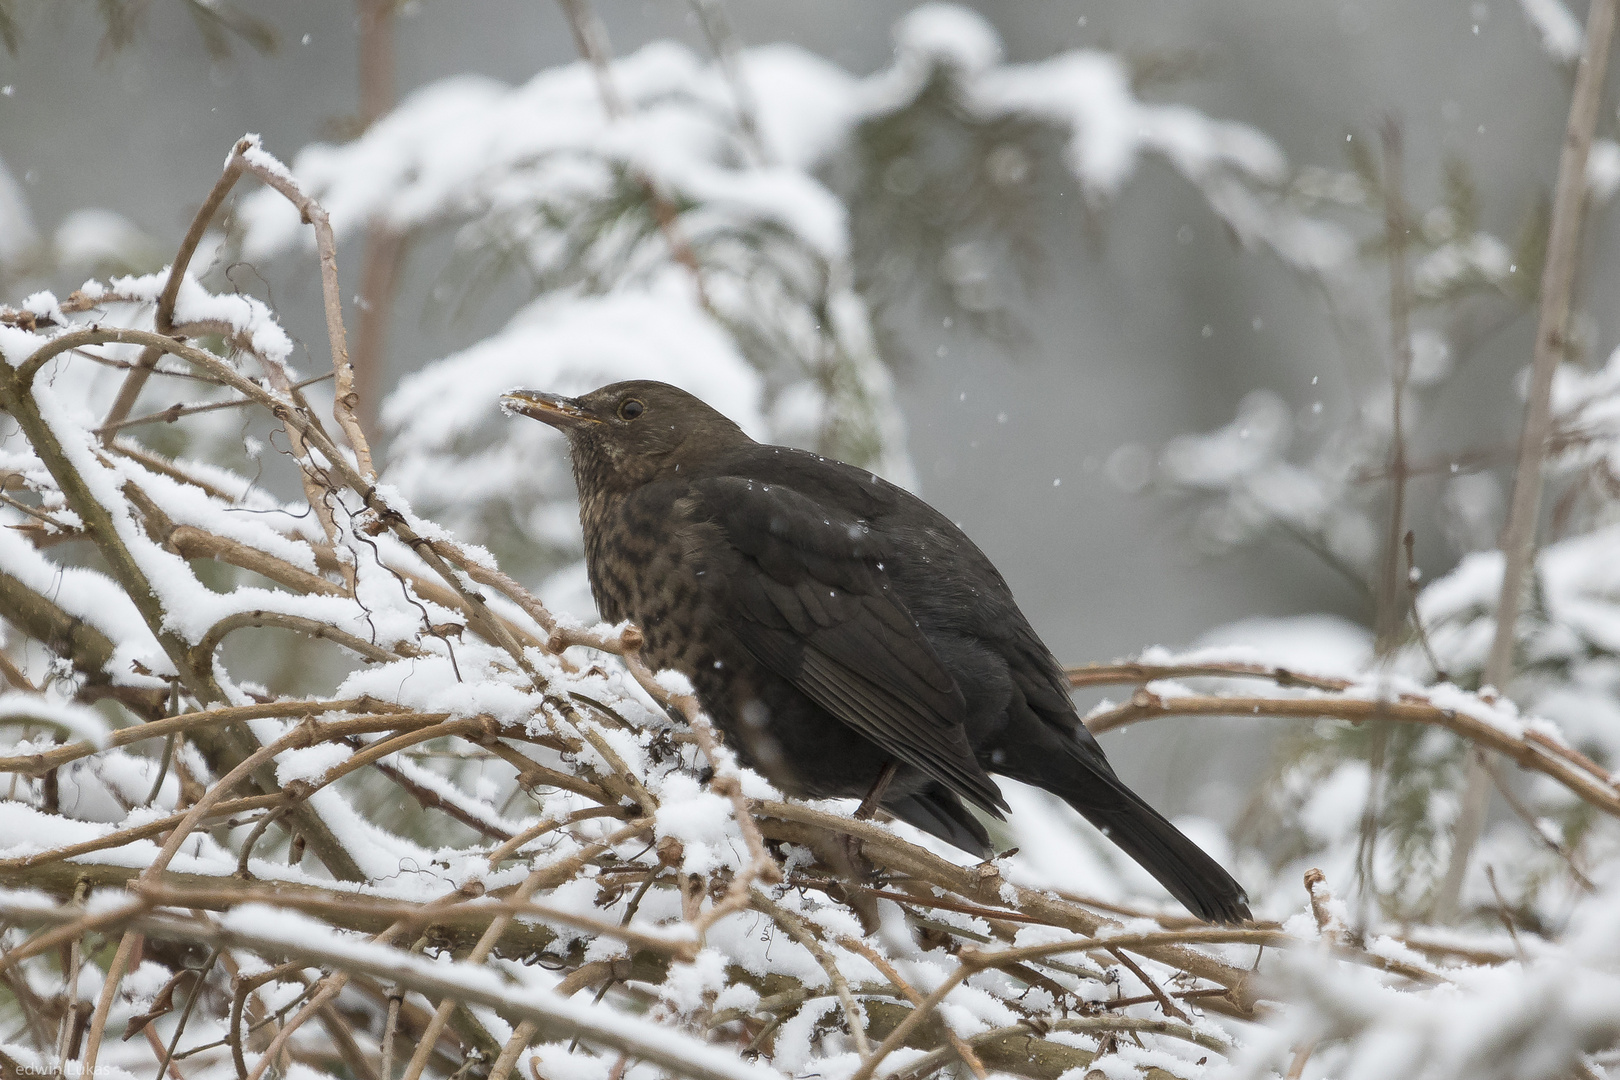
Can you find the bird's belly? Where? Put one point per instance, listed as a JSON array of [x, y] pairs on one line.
[[771, 726]]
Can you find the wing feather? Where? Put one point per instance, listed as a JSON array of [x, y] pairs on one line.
[[815, 607]]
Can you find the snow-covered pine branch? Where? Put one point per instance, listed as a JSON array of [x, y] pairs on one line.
[[674, 235]]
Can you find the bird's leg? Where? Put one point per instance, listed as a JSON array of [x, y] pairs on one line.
[[858, 866], [869, 805]]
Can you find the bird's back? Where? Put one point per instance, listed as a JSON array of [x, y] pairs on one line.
[[957, 596]]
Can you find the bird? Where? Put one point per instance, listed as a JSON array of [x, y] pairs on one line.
[[848, 639]]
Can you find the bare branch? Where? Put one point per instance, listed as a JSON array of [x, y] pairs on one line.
[[1531, 750], [1524, 509], [163, 320], [346, 400]]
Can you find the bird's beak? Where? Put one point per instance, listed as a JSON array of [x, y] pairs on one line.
[[553, 409]]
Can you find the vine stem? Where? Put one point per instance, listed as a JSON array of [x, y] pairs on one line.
[[1524, 511]]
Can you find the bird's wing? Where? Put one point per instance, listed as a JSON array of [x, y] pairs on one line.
[[811, 601]]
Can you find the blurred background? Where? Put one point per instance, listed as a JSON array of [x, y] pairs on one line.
[[1048, 340]]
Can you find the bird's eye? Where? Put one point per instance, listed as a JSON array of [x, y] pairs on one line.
[[631, 409]]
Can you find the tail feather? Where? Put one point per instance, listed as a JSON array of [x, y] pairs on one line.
[[1180, 865], [937, 811], [1071, 765]]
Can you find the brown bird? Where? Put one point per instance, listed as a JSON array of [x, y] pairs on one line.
[[847, 638]]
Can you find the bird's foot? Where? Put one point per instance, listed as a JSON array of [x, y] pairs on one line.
[[857, 866]]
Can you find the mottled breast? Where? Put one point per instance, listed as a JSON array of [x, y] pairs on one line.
[[640, 551]]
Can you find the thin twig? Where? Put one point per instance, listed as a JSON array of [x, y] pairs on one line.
[[920, 1012], [522, 1036], [379, 267], [1100, 1025], [345, 398], [671, 1050], [1531, 750], [385, 1067], [1390, 610], [479, 954], [728, 54], [800, 931], [546, 825], [163, 319], [1524, 509], [1170, 1008], [590, 38], [176, 411], [962, 1048]]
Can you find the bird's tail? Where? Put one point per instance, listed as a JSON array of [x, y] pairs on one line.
[[1180, 865], [937, 810]]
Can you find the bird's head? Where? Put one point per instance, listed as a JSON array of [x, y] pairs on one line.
[[631, 433]]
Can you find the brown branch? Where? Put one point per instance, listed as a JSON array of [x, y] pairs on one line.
[[37, 764], [1391, 599], [229, 747], [523, 941], [379, 267], [479, 912], [590, 974], [429, 799], [144, 831], [480, 953], [317, 488], [1143, 944], [442, 983], [420, 729], [165, 533], [193, 543], [331, 985], [303, 421], [522, 1036], [379, 275], [376, 60], [1575, 772], [1108, 674], [1296, 1068], [1391, 610], [546, 825], [958, 1045], [728, 55], [177, 411], [1155, 991], [532, 774], [68, 636], [298, 737], [761, 867], [164, 467], [1022, 1035], [15, 676], [345, 399], [800, 931], [897, 1038], [1129, 672], [256, 617], [15, 386]]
